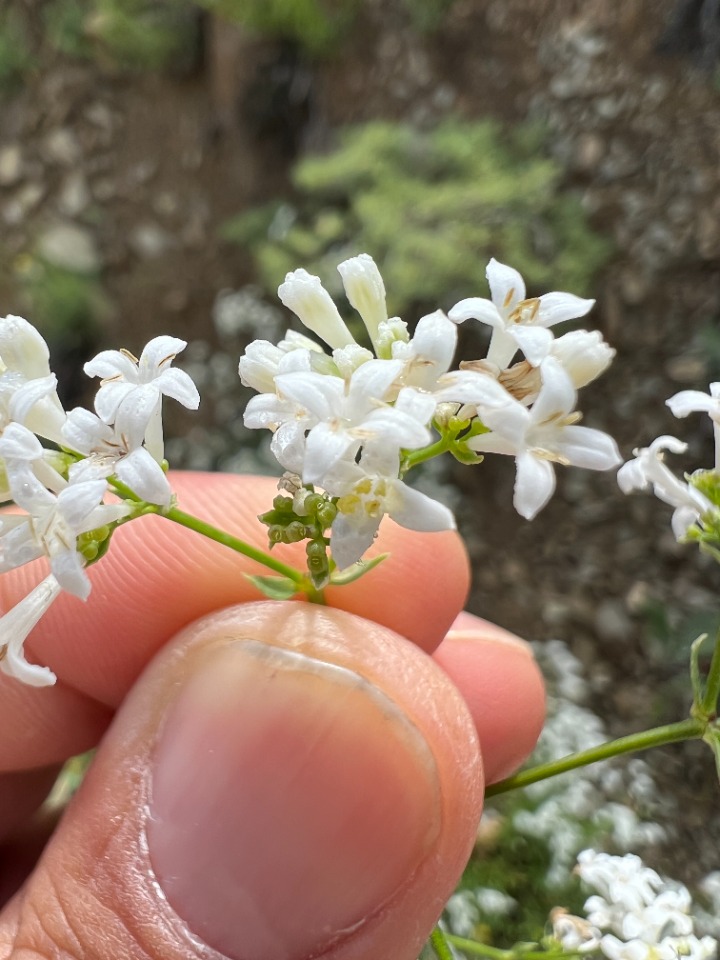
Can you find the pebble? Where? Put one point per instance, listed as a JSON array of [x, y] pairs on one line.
[[11, 163], [74, 195], [61, 147], [149, 240], [71, 247]]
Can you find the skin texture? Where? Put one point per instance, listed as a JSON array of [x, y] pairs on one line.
[[278, 780]]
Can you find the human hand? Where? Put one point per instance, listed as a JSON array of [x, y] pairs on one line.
[[284, 780]]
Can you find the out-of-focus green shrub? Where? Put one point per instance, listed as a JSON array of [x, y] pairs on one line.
[[316, 25], [64, 22], [432, 207], [15, 53], [67, 307], [134, 34]]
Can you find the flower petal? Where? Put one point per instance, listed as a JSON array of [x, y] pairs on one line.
[[535, 342], [145, 477], [557, 307], [507, 287], [365, 290], [417, 511], [692, 401], [305, 295], [351, 537], [534, 484], [476, 308], [588, 448], [557, 395], [158, 354], [110, 365], [16, 625], [178, 385]]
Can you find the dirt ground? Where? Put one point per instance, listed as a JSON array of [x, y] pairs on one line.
[[148, 168]]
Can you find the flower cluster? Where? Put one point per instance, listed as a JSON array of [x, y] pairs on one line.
[[633, 915], [118, 448], [352, 421], [696, 499]]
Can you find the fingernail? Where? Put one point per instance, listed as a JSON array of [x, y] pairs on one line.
[[469, 627], [290, 801]]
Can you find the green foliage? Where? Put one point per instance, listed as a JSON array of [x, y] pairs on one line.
[[432, 207], [15, 53], [316, 25], [133, 34], [427, 15], [67, 307], [65, 27], [518, 865], [142, 34]]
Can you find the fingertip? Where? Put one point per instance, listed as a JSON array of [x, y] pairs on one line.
[[501, 683]]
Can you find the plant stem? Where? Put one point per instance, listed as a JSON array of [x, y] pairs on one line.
[[712, 684], [496, 953], [691, 729], [412, 459], [227, 540], [439, 943]]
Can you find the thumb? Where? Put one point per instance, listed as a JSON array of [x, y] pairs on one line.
[[284, 781]]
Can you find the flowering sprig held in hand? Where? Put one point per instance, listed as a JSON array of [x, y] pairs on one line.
[[349, 422]]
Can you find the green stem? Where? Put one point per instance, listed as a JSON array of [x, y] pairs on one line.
[[439, 943], [226, 539], [496, 953], [415, 457], [712, 684], [691, 729]]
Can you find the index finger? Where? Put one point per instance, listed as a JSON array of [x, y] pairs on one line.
[[158, 577]]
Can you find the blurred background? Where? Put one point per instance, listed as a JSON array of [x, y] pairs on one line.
[[164, 162]]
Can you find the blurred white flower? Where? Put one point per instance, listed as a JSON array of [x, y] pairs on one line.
[[692, 401], [648, 470]]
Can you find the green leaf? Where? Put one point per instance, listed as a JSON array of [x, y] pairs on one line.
[[276, 588], [712, 738], [356, 571]]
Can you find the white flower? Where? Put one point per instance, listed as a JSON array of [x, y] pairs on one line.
[[368, 491], [517, 322], [690, 401], [583, 354], [648, 470], [305, 295], [54, 522], [352, 414], [573, 933], [131, 390], [263, 361], [543, 435], [365, 290], [289, 421], [25, 370], [15, 627], [109, 453], [428, 355]]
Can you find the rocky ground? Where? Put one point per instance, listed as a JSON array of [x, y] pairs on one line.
[[132, 175]]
